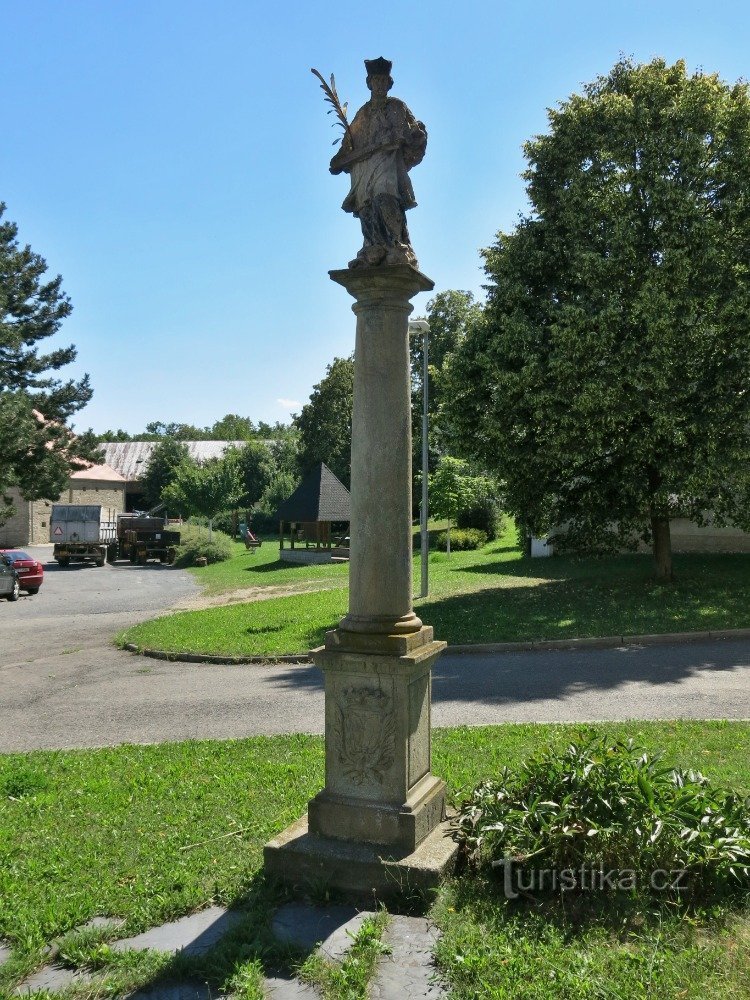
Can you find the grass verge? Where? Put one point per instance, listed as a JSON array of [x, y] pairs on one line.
[[141, 833], [491, 595]]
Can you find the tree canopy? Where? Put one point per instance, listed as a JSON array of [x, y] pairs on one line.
[[453, 490], [325, 423], [208, 489], [451, 314], [257, 468], [37, 447], [230, 427], [607, 383], [167, 456]]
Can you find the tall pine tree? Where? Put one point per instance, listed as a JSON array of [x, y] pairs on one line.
[[37, 448]]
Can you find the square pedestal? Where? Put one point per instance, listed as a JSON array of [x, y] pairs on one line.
[[380, 820], [379, 788], [305, 861]]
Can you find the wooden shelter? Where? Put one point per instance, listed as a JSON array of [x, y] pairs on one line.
[[320, 500]]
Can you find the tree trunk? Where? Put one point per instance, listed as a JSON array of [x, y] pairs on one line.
[[662, 544], [448, 539]]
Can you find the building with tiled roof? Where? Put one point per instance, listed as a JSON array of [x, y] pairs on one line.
[[114, 483]]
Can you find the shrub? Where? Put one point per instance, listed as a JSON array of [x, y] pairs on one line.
[[195, 542], [225, 521], [609, 806], [263, 522], [462, 539], [485, 515]]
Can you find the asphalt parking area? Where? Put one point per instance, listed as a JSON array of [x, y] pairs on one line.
[[83, 605]]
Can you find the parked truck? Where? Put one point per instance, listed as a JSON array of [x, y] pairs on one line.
[[82, 532], [140, 538]]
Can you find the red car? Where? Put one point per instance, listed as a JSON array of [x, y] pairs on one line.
[[30, 572]]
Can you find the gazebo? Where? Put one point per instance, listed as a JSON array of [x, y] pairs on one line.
[[318, 501]]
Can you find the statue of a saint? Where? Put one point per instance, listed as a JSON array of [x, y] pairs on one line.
[[380, 146]]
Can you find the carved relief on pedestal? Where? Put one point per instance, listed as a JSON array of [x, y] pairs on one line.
[[365, 733]]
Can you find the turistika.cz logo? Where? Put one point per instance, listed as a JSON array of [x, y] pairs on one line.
[[519, 881]]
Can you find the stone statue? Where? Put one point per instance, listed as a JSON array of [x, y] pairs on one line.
[[380, 146]]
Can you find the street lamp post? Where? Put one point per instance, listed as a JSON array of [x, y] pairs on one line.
[[423, 327]]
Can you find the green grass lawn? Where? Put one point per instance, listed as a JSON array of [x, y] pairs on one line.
[[139, 832], [263, 568], [493, 595]]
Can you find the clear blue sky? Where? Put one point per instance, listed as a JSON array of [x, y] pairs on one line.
[[170, 159]]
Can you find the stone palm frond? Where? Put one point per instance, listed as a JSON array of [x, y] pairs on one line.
[[337, 107]]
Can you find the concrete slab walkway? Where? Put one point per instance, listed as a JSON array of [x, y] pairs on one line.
[[192, 935], [408, 971]]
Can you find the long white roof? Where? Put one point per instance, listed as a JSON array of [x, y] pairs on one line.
[[130, 458]]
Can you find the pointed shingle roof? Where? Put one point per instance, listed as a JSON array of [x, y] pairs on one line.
[[319, 497]]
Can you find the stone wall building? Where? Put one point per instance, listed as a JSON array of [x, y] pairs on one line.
[[116, 483], [98, 484]]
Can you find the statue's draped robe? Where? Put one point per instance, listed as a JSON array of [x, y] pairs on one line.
[[382, 173]]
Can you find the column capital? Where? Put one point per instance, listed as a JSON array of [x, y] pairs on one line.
[[394, 282]]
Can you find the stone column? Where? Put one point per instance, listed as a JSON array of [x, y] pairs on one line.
[[380, 567], [379, 820]]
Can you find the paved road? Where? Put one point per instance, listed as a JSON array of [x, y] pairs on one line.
[[63, 685]]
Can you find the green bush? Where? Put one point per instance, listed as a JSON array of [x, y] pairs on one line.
[[225, 521], [280, 488], [263, 522], [195, 542], [609, 806], [485, 515], [462, 539]]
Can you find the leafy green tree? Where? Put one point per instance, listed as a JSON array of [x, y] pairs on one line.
[[285, 453], [608, 381], [257, 468], [37, 447], [119, 435], [208, 489], [453, 489], [167, 456], [276, 431], [279, 489], [325, 423], [233, 428], [180, 432], [450, 314]]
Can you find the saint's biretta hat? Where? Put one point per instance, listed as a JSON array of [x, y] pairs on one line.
[[378, 67]]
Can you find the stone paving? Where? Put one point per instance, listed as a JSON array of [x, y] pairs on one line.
[[407, 972], [176, 991], [53, 978], [56, 977], [193, 935], [331, 928]]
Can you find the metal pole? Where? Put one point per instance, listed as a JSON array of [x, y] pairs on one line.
[[424, 542]]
